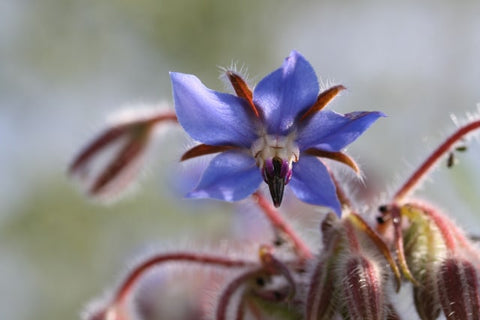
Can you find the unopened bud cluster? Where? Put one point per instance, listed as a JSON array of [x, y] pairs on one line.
[[356, 273], [353, 268]]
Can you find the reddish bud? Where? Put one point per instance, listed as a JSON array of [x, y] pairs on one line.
[[320, 297], [128, 141], [426, 302], [321, 290], [458, 289], [362, 287]]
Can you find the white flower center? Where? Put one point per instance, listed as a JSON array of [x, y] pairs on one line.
[[269, 146]]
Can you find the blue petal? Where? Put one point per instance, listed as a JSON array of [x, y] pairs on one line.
[[331, 131], [230, 176], [311, 183], [286, 92], [211, 117]]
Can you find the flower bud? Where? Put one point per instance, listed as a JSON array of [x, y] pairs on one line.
[[362, 288], [458, 289], [320, 298], [424, 248], [129, 140], [426, 302]]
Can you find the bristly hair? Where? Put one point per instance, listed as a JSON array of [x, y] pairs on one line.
[[326, 84], [242, 71], [467, 118], [137, 111]]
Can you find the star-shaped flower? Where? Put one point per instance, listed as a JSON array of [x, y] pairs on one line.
[[275, 134]]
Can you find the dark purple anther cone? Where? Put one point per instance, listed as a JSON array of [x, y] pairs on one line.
[[277, 174]]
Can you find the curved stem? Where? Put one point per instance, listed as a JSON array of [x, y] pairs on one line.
[[341, 195], [398, 239], [232, 287], [445, 147], [275, 266], [204, 259], [240, 315], [278, 223], [170, 116]]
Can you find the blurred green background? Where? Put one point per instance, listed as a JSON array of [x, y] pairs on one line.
[[65, 65]]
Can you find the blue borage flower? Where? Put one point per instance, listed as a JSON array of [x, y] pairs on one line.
[[275, 134]]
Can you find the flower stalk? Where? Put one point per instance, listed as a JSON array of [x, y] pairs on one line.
[[280, 224], [116, 309], [436, 155]]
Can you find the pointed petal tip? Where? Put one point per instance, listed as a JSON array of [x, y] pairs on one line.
[[211, 117], [178, 74], [360, 114], [378, 114], [293, 58], [174, 75], [339, 130], [196, 194], [285, 92], [295, 54]]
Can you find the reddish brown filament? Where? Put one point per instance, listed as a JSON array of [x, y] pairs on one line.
[[337, 156], [204, 149], [323, 99], [242, 90]]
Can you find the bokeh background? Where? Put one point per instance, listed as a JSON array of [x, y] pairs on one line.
[[65, 65]]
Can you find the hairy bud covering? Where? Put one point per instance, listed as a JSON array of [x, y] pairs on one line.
[[362, 288], [458, 289]]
